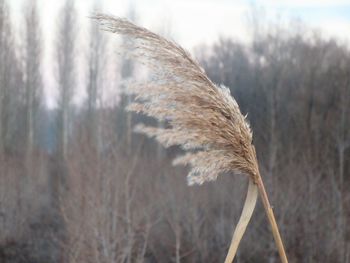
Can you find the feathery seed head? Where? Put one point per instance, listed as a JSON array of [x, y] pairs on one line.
[[204, 119]]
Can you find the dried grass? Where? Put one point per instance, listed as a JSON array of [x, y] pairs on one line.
[[201, 117]]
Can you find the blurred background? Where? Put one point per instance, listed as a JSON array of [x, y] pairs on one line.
[[77, 185]]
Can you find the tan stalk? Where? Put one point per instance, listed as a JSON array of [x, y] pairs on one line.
[[271, 218], [256, 185], [246, 214]]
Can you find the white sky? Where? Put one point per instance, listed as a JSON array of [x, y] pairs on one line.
[[194, 22], [203, 21]]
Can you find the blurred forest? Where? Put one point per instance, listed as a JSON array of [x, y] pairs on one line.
[[76, 185]]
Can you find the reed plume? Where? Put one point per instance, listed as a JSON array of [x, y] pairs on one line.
[[201, 117]]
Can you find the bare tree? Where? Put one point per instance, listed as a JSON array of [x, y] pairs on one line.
[[66, 68], [96, 68], [10, 83], [33, 79], [126, 73], [66, 72], [3, 13]]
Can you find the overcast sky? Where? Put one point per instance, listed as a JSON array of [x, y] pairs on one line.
[[197, 21], [190, 22]]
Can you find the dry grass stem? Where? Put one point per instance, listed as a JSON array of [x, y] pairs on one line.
[[200, 116]]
